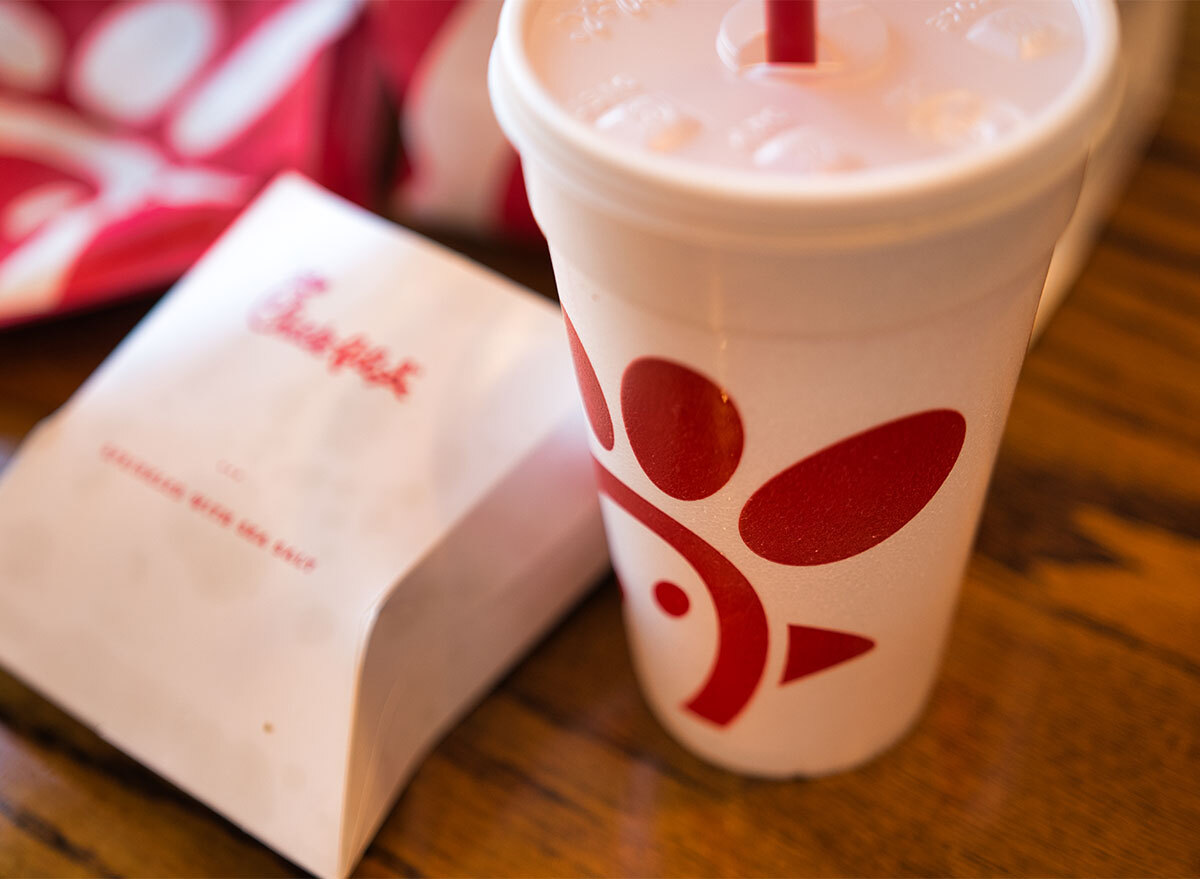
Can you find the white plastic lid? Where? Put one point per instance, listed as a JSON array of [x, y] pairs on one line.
[[896, 201]]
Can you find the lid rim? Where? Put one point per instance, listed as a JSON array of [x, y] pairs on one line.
[[1056, 141]]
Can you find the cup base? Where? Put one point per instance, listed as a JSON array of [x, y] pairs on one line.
[[740, 765]]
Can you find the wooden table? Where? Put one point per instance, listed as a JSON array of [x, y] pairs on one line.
[[1062, 738]]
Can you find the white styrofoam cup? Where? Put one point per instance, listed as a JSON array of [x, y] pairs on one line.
[[797, 387]]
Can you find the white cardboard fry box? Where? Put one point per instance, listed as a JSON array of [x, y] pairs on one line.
[[308, 512]]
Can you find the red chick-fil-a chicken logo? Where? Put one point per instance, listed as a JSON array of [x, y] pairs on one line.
[[282, 314], [687, 435]]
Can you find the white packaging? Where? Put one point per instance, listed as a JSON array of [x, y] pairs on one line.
[[327, 492]]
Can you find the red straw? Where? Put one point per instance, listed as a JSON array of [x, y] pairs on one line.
[[791, 31]]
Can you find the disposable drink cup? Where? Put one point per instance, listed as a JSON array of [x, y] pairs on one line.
[[796, 372]]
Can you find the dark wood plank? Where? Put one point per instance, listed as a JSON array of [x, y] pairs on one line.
[[1063, 737]]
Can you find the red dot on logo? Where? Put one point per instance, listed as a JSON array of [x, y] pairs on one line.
[[684, 430], [671, 598]]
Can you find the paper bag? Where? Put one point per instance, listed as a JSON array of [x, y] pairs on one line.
[[326, 493]]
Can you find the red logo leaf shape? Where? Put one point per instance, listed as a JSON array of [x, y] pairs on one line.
[[854, 494], [589, 389], [684, 430]]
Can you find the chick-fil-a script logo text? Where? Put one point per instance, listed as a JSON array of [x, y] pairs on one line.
[[283, 313]]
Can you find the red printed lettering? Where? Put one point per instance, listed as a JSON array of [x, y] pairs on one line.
[[293, 556], [206, 507], [252, 532], [347, 353], [151, 476], [282, 314], [223, 516], [237, 474]]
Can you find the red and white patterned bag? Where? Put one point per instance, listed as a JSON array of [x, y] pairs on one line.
[[132, 132]]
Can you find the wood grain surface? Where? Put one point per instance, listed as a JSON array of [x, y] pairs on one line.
[[1063, 737]]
